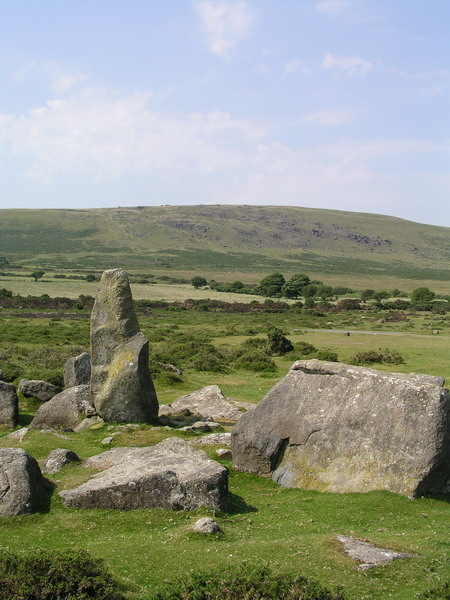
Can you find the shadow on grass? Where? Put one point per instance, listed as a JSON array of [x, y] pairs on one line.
[[237, 505], [43, 504]]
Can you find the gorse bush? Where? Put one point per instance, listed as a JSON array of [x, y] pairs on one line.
[[55, 576], [245, 582], [382, 355]]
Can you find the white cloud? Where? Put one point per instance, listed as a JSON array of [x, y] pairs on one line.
[[333, 7], [225, 22], [60, 79], [333, 116], [349, 65]]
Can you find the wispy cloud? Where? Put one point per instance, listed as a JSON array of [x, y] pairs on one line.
[[225, 23], [348, 65], [333, 7], [329, 117], [59, 78]]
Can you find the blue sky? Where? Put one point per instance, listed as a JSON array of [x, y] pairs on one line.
[[340, 104]]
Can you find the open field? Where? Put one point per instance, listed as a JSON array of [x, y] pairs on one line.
[[293, 530], [232, 242]]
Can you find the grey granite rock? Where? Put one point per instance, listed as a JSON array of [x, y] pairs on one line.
[[21, 483], [170, 475], [36, 388], [77, 370], [65, 410], [57, 459], [340, 428], [121, 386], [206, 402], [9, 406]]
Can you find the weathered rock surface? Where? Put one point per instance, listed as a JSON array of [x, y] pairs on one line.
[[21, 483], [121, 386], [201, 427], [36, 388], [170, 475], [77, 370], [19, 434], [340, 428], [213, 439], [65, 410], [57, 459], [206, 402], [89, 422], [206, 525], [367, 554], [9, 405]]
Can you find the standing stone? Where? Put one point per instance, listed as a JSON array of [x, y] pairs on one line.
[[339, 428], [9, 405], [21, 483], [121, 385], [77, 370]]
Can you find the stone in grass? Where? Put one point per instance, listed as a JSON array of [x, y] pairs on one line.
[[122, 389], [77, 370], [367, 554], [201, 427], [36, 388], [206, 525], [65, 410], [19, 434], [170, 475], [57, 459], [21, 483], [341, 428], [224, 453], [9, 405], [89, 423], [206, 402]]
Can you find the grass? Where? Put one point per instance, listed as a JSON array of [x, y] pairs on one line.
[[292, 529]]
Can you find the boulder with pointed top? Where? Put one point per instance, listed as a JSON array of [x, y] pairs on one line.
[[21, 483], [122, 389], [9, 405]]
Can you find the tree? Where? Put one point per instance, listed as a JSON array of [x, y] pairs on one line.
[[90, 277], [422, 295], [271, 285], [381, 295], [294, 286], [367, 295], [309, 291], [324, 292], [37, 275], [198, 281]]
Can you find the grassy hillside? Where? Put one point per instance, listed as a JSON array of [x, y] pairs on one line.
[[229, 241]]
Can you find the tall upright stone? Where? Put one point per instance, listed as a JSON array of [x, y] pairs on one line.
[[121, 385]]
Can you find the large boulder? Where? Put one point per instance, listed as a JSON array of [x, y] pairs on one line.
[[77, 370], [9, 405], [170, 475], [21, 483], [339, 428], [206, 402], [36, 388], [65, 410], [121, 386]]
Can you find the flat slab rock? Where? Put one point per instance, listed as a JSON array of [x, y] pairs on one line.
[[170, 475], [212, 439], [206, 402], [21, 483], [367, 554], [340, 428]]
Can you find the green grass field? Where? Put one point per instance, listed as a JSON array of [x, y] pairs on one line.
[[292, 529]]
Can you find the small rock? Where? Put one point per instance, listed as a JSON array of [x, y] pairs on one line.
[[206, 525], [108, 440], [36, 388], [57, 459], [90, 423], [200, 426], [224, 453], [19, 434], [367, 554], [206, 402]]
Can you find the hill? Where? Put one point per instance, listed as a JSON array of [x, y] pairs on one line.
[[228, 242]]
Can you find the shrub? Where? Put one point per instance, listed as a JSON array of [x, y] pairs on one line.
[[304, 349], [278, 344], [256, 360], [328, 355], [382, 355], [245, 582], [55, 576]]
